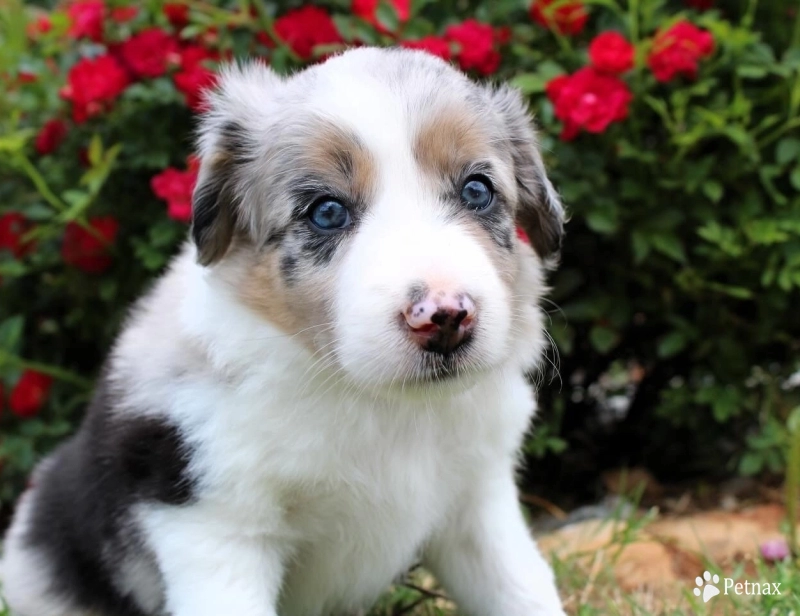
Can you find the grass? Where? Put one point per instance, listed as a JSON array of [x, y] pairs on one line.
[[589, 587], [591, 590]]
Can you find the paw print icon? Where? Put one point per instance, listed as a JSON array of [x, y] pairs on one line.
[[706, 586]]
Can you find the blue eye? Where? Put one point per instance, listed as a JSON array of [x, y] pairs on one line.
[[477, 193], [330, 215]]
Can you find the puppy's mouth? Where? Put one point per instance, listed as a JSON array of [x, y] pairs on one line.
[[432, 366]]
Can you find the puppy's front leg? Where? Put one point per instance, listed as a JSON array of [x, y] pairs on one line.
[[210, 568], [486, 558]]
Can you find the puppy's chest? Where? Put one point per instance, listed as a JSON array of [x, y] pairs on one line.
[[366, 523], [355, 502], [399, 479], [323, 469]]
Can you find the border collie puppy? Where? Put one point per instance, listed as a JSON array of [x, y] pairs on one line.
[[328, 382]]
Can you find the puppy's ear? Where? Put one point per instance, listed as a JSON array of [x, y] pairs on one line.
[[226, 145], [213, 208], [540, 213]]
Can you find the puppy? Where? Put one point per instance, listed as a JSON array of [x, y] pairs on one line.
[[328, 383]]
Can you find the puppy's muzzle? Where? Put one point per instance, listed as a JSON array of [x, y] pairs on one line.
[[440, 322]]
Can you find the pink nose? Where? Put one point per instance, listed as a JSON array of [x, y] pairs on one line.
[[441, 322]]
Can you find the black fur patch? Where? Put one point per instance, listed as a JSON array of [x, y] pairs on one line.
[[499, 223], [497, 219], [236, 142], [321, 248], [213, 214], [82, 499], [540, 217], [214, 201], [289, 268]]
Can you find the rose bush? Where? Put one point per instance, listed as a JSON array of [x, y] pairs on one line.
[[670, 127]]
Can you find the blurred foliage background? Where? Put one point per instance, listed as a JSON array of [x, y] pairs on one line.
[[675, 145]]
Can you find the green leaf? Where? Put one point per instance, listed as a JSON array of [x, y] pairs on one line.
[[344, 24], [16, 141], [733, 291], [387, 16], [641, 247], [280, 59], [603, 338], [670, 246], [713, 190], [12, 269], [765, 232], [529, 83], [602, 220], [365, 32], [751, 72], [793, 422], [11, 333], [95, 150], [671, 344], [794, 177], [726, 404], [550, 69], [751, 464], [76, 199], [556, 444], [787, 150], [38, 212]]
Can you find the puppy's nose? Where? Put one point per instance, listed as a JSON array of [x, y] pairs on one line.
[[441, 321]]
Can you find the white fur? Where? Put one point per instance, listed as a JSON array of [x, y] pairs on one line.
[[331, 488], [324, 475]]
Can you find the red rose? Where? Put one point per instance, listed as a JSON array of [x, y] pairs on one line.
[[476, 46], [92, 85], [367, 10], [209, 38], [193, 83], [42, 25], [146, 53], [88, 250], [566, 18], [26, 77], [124, 14], [29, 394], [305, 28], [433, 45], [194, 77], [13, 227], [588, 99], [176, 187], [678, 51], [192, 56], [177, 13], [610, 52], [50, 136], [86, 19]]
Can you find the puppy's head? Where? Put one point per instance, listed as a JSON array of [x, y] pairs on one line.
[[370, 205]]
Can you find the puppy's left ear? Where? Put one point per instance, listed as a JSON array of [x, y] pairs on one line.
[[539, 212]]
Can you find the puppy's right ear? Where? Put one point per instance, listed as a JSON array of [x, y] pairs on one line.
[[213, 209], [226, 145]]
